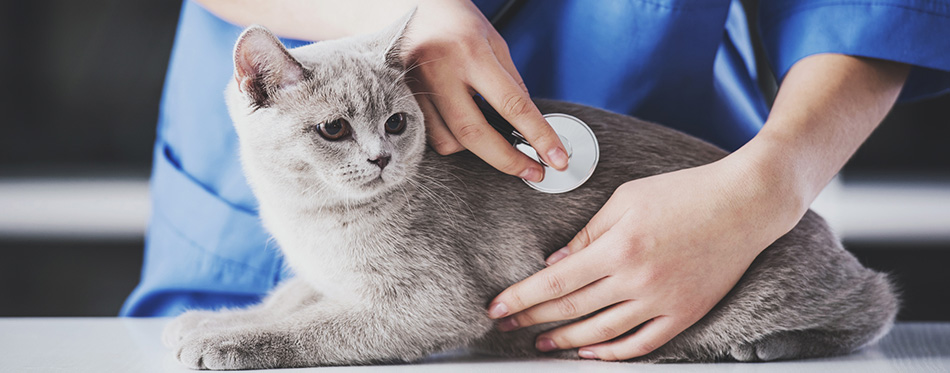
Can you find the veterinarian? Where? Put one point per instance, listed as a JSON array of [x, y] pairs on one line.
[[663, 250]]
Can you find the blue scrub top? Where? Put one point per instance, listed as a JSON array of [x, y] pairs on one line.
[[686, 64]]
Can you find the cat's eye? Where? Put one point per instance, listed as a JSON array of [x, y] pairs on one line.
[[396, 123], [335, 129]]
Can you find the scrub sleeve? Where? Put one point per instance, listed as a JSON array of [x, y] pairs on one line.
[[915, 32], [686, 64]]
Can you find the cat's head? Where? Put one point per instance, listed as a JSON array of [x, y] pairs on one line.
[[333, 117]]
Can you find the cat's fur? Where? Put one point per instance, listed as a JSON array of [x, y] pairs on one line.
[[395, 264]]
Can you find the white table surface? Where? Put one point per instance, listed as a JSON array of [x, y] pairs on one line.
[[133, 345]]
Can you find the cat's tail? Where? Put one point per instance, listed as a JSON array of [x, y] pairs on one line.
[[880, 310], [864, 316]]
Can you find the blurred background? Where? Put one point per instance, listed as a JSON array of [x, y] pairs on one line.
[[81, 86]]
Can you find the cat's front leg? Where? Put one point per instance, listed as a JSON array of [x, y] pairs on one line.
[[288, 296], [325, 334]]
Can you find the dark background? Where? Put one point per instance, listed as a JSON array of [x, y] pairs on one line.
[[80, 84]]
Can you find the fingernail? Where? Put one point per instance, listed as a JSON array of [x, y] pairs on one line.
[[558, 158], [497, 310], [586, 354], [557, 256], [545, 345], [532, 174], [508, 324]]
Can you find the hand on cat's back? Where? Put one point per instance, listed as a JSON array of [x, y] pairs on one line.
[[455, 52], [660, 254]]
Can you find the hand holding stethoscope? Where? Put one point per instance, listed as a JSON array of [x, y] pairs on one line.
[[455, 53]]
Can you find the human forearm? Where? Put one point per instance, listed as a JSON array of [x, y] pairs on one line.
[[827, 106], [312, 20]]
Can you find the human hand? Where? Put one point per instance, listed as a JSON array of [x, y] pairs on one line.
[[454, 52], [660, 254]]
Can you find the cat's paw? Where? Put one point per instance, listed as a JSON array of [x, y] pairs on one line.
[[184, 324], [767, 349], [223, 350], [744, 352]]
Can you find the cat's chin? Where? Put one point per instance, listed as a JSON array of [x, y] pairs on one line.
[[376, 184], [371, 189]]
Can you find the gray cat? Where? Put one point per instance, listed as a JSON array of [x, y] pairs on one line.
[[398, 250]]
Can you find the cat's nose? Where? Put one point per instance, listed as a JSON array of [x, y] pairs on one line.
[[380, 161]]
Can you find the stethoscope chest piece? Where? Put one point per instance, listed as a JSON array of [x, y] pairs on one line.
[[583, 153]]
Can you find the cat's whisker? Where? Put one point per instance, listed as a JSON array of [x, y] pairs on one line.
[[436, 198], [418, 64], [413, 95], [460, 202], [313, 190], [403, 78], [406, 194]]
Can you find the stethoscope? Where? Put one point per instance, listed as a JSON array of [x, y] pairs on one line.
[[583, 151]]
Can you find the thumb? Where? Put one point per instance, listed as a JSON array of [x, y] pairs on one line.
[[600, 223]]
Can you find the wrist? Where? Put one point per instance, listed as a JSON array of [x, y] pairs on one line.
[[768, 176]]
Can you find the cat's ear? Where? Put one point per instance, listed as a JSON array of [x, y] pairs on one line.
[[262, 66], [394, 38]]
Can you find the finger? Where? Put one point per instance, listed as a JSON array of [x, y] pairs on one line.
[[440, 138], [557, 256], [469, 127], [437, 134], [505, 95], [606, 325], [602, 221], [651, 336], [503, 55], [550, 283], [590, 298]]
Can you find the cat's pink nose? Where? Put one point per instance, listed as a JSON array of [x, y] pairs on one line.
[[380, 161]]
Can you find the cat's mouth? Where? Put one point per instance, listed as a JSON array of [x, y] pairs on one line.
[[375, 182]]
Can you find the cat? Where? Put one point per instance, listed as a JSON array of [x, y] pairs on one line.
[[397, 250]]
